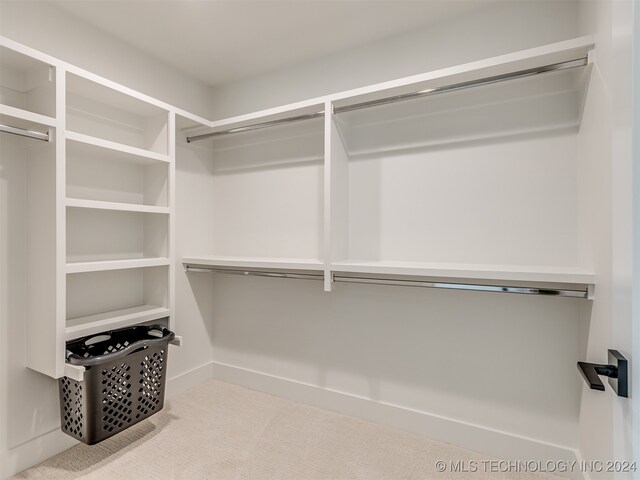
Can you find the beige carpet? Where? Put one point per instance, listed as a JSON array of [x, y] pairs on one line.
[[222, 431]]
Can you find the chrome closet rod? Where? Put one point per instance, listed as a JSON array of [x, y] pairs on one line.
[[581, 62], [257, 126], [24, 133], [464, 286], [254, 273], [397, 282]]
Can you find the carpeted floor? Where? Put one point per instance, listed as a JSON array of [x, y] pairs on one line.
[[221, 431]]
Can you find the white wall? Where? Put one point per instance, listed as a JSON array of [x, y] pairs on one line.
[[500, 362], [40, 25], [511, 26]]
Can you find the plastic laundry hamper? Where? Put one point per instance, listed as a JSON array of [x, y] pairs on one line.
[[123, 382]]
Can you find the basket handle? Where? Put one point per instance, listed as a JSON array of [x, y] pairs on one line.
[[98, 359]]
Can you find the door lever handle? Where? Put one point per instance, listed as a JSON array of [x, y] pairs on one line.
[[616, 370]]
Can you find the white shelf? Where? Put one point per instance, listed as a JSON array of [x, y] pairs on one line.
[[104, 265], [125, 207], [24, 118], [81, 326], [512, 62], [256, 262], [115, 146], [498, 273]]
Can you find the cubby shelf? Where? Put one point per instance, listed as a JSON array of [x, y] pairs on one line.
[[81, 326], [256, 262], [104, 265], [125, 207], [115, 146], [485, 273]]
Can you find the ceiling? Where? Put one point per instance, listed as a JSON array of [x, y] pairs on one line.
[[223, 41]]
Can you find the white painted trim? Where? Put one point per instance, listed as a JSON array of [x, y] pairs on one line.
[[179, 384], [34, 451], [473, 437]]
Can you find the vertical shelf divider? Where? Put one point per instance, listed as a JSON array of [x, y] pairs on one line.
[[336, 196], [61, 220], [171, 203]]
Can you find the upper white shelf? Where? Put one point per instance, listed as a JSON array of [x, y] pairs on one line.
[[551, 54], [532, 58], [300, 109], [24, 119], [256, 262], [106, 265], [127, 152], [124, 207], [98, 111], [498, 273], [27, 83]]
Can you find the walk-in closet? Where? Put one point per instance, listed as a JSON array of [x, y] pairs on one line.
[[329, 240]]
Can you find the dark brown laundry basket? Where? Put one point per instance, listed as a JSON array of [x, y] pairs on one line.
[[123, 382]]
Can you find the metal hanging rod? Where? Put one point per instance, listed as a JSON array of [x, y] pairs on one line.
[[254, 273], [464, 286], [24, 133], [581, 62], [396, 282], [257, 126]]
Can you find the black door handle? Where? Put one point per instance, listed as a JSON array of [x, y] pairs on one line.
[[616, 370]]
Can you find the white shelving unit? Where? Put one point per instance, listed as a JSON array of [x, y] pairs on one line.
[[101, 201], [119, 207], [411, 166], [361, 187]]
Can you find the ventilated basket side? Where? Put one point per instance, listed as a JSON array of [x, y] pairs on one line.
[[72, 408]]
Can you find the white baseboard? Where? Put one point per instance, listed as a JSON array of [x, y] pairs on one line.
[[34, 451], [183, 382], [472, 437], [52, 443], [466, 435]]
